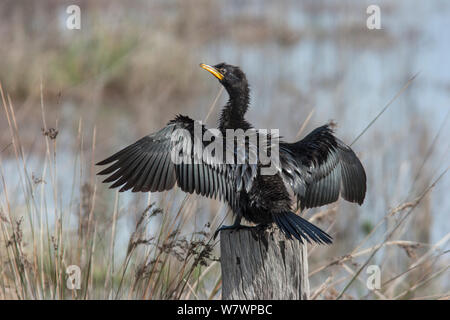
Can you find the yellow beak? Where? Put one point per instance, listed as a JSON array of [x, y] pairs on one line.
[[213, 70]]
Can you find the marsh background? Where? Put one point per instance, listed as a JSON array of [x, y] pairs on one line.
[[134, 65]]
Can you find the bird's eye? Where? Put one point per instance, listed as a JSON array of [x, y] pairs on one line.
[[223, 71]]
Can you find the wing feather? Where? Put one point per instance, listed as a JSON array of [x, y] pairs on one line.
[[320, 167], [147, 165]]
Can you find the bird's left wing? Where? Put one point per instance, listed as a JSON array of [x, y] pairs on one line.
[[320, 167]]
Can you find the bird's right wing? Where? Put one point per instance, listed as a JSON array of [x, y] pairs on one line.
[[157, 161]]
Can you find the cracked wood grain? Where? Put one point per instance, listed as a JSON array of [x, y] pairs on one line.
[[263, 264]]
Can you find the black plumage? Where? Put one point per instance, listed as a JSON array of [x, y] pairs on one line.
[[317, 169]]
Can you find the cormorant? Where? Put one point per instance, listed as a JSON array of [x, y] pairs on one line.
[[316, 169]]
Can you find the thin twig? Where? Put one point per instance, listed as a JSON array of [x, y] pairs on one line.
[[385, 107], [213, 105], [429, 151], [300, 131]]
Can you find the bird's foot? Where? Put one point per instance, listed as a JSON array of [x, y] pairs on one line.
[[232, 227]]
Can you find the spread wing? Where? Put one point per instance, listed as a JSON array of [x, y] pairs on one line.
[[157, 161], [320, 167]]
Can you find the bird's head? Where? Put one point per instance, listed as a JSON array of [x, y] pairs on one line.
[[231, 77]]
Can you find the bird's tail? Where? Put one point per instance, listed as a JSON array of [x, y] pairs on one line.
[[294, 225]]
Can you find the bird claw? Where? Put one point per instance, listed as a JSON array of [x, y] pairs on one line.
[[232, 228]]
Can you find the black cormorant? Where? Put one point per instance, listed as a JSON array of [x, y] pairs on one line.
[[316, 169]]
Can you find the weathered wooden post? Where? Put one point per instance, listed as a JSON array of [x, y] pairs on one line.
[[263, 264]]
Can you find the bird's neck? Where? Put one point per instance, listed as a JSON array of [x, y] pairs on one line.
[[232, 116]]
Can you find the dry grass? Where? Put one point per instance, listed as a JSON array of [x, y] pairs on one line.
[[38, 249]]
